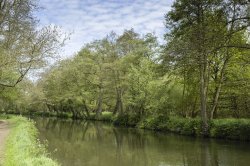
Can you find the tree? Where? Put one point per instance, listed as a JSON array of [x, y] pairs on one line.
[[99, 75], [204, 30], [234, 31], [22, 45]]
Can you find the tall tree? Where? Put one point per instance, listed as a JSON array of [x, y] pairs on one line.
[[203, 28]]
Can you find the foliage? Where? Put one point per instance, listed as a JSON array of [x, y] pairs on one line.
[[153, 122], [23, 46], [237, 129], [174, 124], [116, 74], [126, 120], [231, 129], [205, 38], [105, 116], [185, 126]]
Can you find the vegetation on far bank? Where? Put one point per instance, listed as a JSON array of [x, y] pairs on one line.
[[23, 147], [233, 129]]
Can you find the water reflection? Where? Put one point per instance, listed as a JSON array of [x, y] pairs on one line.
[[77, 143]]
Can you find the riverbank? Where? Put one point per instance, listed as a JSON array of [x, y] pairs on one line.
[[233, 129], [22, 146]]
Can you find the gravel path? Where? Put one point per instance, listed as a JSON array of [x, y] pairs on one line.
[[4, 131]]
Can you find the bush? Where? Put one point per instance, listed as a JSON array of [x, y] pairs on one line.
[[154, 122], [44, 114], [184, 126], [121, 120], [91, 116], [126, 120], [174, 124], [231, 129], [106, 116]]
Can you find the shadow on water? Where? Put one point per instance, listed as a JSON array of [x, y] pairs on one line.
[[89, 143]]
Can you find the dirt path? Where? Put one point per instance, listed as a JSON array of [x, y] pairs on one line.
[[4, 131]]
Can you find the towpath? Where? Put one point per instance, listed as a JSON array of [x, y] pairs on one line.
[[4, 131]]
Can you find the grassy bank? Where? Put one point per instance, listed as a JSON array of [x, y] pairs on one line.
[[23, 147], [235, 129]]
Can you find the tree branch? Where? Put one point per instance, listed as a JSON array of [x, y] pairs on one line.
[[20, 78]]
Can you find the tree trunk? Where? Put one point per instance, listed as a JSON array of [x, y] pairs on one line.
[[215, 101], [119, 105], [86, 108], [235, 106], [218, 88], [203, 99], [193, 112], [202, 60], [184, 106], [99, 105]]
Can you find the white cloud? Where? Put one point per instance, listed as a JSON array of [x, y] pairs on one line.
[[94, 19]]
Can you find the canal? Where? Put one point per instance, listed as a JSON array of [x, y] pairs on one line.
[[90, 143]]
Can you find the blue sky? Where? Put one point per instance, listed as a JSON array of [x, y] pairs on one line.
[[88, 20]]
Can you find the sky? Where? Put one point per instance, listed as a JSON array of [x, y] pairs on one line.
[[88, 20]]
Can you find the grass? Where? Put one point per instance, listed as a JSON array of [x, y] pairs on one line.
[[22, 146]]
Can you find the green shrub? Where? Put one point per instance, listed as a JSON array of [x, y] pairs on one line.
[[64, 115], [149, 123], [91, 116], [231, 129], [126, 119], [121, 120], [154, 123], [238, 129], [106, 116], [174, 124], [184, 126]]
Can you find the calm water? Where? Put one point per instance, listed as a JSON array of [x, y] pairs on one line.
[[78, 143]]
